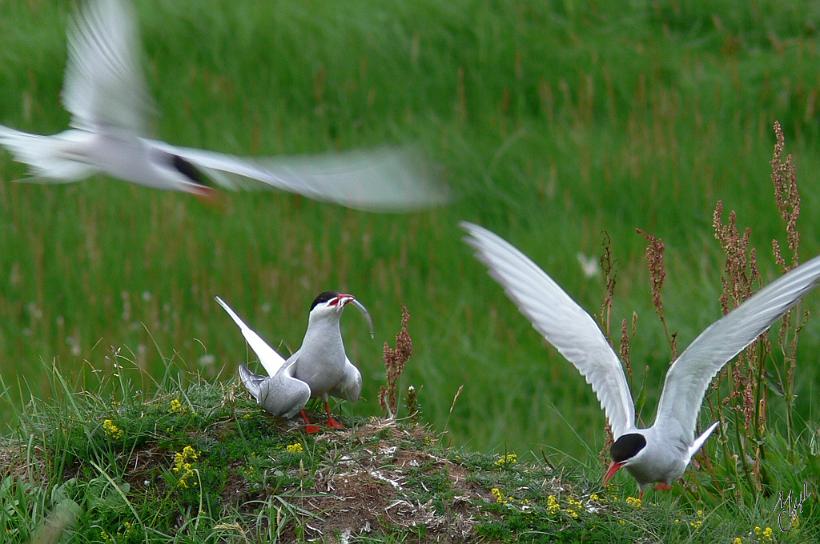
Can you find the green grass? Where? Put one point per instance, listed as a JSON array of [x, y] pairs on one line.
[[200, 463], [553, 123]]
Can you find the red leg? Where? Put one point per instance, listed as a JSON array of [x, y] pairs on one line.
[[640, 495], [662, 487], [309, 427], [332, 423]]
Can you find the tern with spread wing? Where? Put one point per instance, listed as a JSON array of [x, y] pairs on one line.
[[106, 95], [319, 368], [658, 454]]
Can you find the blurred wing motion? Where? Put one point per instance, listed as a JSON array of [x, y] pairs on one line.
[[271, 360], [104, 89], [386, 179], [44, 155], [691, 373], [105, 92], [562, 322]]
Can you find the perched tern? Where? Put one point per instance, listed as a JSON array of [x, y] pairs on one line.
[[106, 95], [658, 454], [317, 369]]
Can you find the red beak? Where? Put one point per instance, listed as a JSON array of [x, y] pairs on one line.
[[613, 468], [342, 299]]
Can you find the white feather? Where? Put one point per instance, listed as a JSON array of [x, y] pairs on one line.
[[104, 89], [690, 375], [271, 360], [562, 322]]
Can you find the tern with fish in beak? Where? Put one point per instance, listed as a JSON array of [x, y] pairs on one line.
[[319, 368]]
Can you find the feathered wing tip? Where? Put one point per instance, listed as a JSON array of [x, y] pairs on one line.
[[390, 179], [271, 360], [251, 381], [46, 155], [104, 85], [699, 441]]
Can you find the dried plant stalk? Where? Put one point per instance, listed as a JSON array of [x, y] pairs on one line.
[[787, 199], [608, 269], [395, 360], [626, 340], [657, 275], [740, 274]]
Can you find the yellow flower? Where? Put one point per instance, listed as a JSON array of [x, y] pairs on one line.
[[575, 503], [574, 507], [634, 502], [176, 406], [595, 498], [552, 505], [184, 466], [296, 447], [506, 459], [737, 540], [499, 496], [697, 523], [111, 430]]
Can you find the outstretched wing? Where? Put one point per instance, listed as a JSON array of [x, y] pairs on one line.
[[690, 375], [387, 179], [271, 360], [562, 322], [104, 89]]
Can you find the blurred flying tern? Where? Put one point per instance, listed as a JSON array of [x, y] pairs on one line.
[[106, 95], [319, 368], [658, 454]]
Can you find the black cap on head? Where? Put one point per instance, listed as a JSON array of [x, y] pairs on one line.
[[627, 447], [324, 296]]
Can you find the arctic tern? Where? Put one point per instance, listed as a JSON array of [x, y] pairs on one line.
[[658, 454]]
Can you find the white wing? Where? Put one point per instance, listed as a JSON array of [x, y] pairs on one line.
[[387, 179], [103, 87], [691, 373], [350, 387], [562, 322], [271, 360]]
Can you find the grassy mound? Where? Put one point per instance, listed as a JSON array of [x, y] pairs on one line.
[[202, 463]]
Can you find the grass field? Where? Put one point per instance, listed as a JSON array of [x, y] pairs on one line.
[[552, 123]]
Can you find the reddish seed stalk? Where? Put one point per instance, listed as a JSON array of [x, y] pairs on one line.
[[657, 275], [395, 359], [787, 199]]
